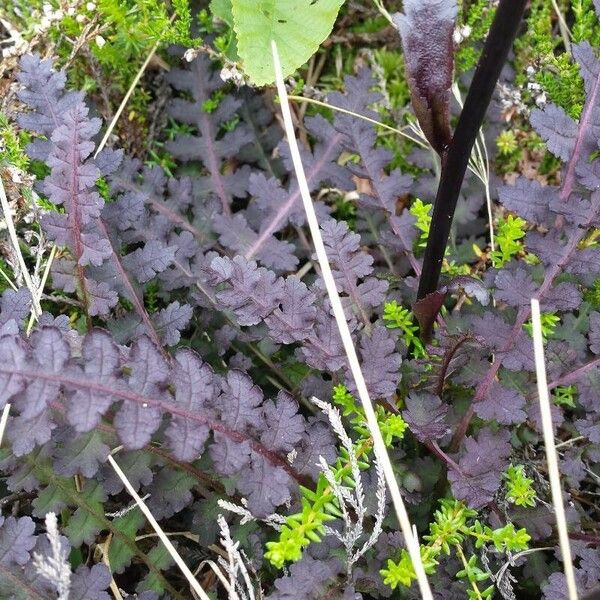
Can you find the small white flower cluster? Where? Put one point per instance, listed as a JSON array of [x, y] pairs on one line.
[[190, 54], [512, 97], [461, 34], [535, 88], [49, 15], [511, 100], [232, 73]]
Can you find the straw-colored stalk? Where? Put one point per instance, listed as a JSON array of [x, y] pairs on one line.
[[161, 534], [551, 455], [338, 311]]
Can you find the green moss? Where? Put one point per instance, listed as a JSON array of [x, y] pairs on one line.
[[592, 295], [507, 143], [541, 48], [12, 145], [586, 25], [391, 63], [477, 17]]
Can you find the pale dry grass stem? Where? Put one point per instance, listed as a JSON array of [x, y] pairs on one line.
[[551, 455], [338, 311], [161, 534], [360, 116], [12, 233], [33, 317], [104, 548], [4, 420]]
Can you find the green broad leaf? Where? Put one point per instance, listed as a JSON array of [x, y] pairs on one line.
[[222, 10], [88, 519], [119, 552], [297, 26], [162, 560], [50, 499]]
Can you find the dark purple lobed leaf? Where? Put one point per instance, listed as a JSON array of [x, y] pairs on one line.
[[241, 401], [90, 584], [264, 486], [482, 463], [308, 579], [285, 427], [528, 199], [502, 405], [16, 540], [170, 321], [557, 129], [194, 391], [82, 454], [318, 441], [136, 422], [294, 321], [380, 364], [252, 293], [425, 415], [349, 264], [14, 306], [516, 288], [150, 260]]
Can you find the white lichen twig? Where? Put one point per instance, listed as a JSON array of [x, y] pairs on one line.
[[274, 520], [54, 568], [355, 497], [379, 514], [551, 455], [121, 513], [338, 311], [235, 565], [512, 558]]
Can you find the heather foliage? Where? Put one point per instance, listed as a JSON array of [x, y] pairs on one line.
[[186, 329]]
